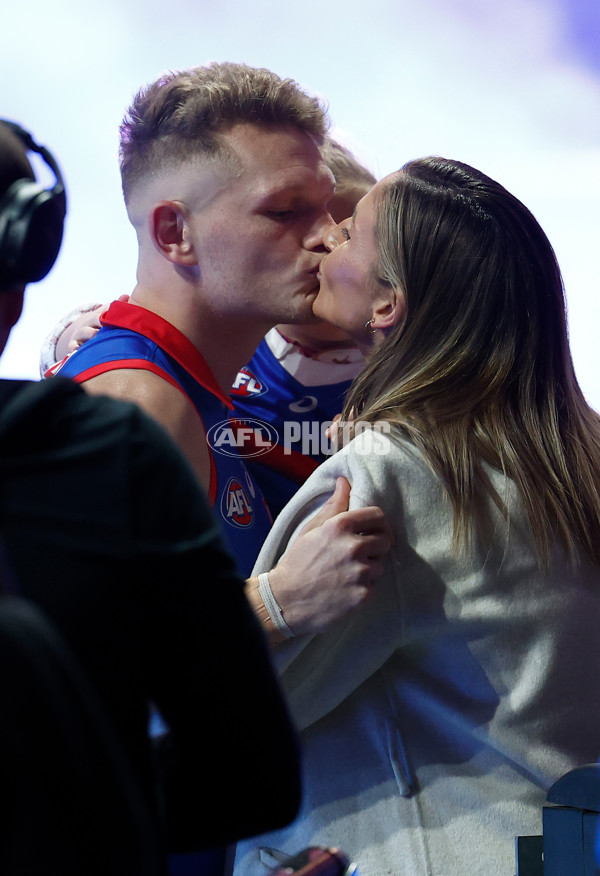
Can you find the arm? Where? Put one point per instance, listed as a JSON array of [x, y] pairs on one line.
[[329, 569], [210, 678], [57, 344], [333, 563], [78, 331], [319, 672], [71, 332], [164, 403], [225, 776]]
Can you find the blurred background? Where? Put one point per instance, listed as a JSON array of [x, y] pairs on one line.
[[512, 88]]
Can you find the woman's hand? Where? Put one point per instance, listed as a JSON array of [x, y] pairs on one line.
[[332, 565]]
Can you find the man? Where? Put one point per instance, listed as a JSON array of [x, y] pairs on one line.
[[227, 190], [293, 386], [105, 529], [297, 379]]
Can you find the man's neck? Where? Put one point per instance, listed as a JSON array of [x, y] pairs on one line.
[[226, 348], [225, 344]]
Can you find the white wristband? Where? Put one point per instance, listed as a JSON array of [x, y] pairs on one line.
[[272, 606]]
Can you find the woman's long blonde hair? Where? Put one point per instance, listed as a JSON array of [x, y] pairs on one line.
[[480, 369]]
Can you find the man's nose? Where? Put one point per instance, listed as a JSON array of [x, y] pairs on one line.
[[318, 235]]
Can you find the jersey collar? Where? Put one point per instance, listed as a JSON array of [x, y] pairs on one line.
[[121, 314]]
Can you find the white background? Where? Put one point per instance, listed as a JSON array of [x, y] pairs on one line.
[[512, 87]]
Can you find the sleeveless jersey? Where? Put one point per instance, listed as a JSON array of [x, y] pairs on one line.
[[297, 408], [133, 337]]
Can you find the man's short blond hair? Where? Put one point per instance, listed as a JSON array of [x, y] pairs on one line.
[[183, 115]]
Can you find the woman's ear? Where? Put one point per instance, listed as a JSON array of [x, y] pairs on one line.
[[389, 308], [170, 233]]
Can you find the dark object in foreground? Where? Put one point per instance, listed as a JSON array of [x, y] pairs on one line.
[[313, 861]]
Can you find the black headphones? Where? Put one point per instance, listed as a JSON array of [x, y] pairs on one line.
[[31, 221]]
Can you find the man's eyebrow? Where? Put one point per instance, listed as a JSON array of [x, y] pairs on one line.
[[294, 190]]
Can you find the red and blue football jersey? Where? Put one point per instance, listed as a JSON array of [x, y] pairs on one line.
[[297, 406], [133, 337]]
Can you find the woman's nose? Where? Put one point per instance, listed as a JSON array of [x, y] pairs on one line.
[[333, 237]]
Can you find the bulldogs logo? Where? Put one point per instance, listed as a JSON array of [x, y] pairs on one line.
[[304, 405], [247, 385], [236, 507]]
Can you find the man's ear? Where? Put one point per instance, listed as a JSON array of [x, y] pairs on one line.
[[169, 231], [389, 308]]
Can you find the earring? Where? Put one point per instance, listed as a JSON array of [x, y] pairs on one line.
[[371, 330]]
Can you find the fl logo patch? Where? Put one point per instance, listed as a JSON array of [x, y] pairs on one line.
[[236, 506], [247, 385]]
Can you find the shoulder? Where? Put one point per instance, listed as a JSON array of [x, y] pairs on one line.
[[381, 465], [379, 441], [157, 396], [167, 404], [82, 445], [139, 385], [51, 403], [383, 469], [378, 463], [57, 412]]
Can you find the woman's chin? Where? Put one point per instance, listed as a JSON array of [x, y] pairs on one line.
[[317, 309]]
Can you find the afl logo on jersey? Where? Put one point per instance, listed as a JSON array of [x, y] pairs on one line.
[[236, 507], [247, 385]]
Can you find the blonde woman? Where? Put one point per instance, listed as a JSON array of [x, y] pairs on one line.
[[436, 716]]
